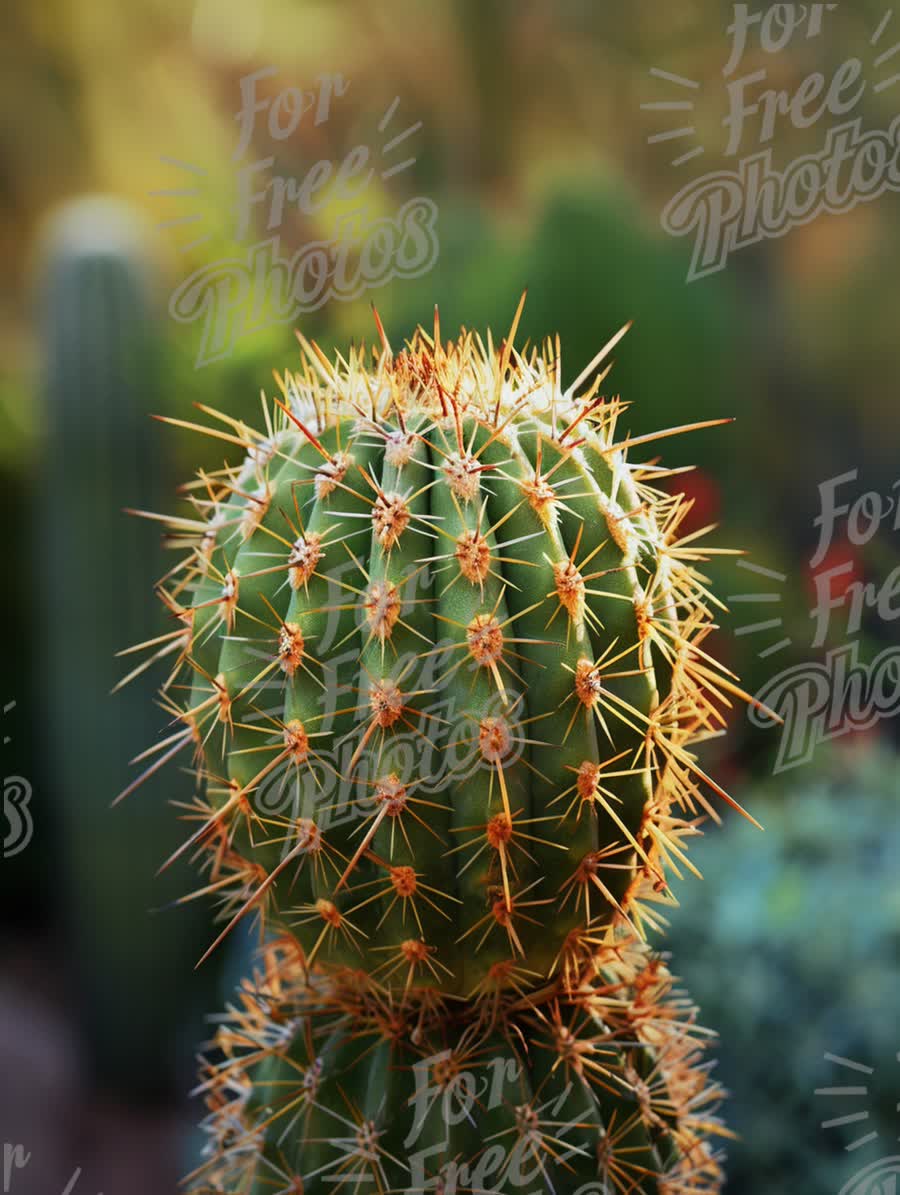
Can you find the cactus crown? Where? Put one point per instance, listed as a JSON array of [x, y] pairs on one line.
[[439, 664]]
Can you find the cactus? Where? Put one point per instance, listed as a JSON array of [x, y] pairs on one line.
[[441, 673], [100, 344]]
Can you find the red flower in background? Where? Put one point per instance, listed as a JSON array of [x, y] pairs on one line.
[[834, 588], [700, 490]]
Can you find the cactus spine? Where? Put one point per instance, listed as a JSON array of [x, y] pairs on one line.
[[442, 670]]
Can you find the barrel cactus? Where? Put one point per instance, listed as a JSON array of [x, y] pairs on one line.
[[438, 667]]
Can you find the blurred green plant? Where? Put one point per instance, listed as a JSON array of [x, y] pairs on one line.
[[100, 353], [791, 948], [17, 431]]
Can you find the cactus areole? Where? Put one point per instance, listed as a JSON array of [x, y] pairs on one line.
[[439, 668]]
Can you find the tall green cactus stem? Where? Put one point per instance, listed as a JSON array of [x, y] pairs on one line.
[[442, 672], [100, 344]]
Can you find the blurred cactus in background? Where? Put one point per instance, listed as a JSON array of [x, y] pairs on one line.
[[100, 348], [790, 946]]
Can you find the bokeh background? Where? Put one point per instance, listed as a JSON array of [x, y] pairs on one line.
[[120, 180]]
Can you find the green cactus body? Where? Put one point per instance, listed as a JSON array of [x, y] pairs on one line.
[[445, 675], [358, 1093]]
